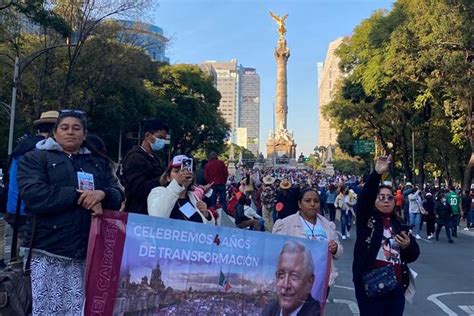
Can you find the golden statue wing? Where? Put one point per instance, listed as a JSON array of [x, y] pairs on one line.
[[284, 17], [275, 17]]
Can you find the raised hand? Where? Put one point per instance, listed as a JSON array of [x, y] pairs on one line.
[[184, 178], [382, 164]]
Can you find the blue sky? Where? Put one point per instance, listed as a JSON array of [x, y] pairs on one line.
[[221, 30]]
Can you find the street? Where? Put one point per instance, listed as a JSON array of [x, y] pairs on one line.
[[444, 285]]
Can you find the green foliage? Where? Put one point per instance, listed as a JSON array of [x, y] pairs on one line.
[[349, 166], [187, 100], [405, 71], [117, 85]]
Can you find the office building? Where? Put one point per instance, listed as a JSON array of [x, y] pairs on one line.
[[327, 84]]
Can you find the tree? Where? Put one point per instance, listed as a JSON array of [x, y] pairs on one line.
[[402, 76], [84, 17], [187, 100]]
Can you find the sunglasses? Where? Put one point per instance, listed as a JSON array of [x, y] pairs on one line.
[[385, 197], [70, 112]]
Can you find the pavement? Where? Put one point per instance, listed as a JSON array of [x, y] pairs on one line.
[[444, 285]]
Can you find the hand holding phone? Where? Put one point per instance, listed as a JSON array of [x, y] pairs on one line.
[[187, 164], [405, 228]]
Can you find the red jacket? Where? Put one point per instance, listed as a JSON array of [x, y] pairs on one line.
[[216, 171], [399, 198]]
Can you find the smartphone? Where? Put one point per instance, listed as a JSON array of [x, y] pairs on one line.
[[405, 228], [187, 164]]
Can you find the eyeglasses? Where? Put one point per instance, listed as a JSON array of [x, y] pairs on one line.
[[385, 197], [71, 112]]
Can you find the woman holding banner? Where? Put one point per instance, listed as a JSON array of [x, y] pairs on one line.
[[308, 223], [63, 183], [382, 250], [175, 199]]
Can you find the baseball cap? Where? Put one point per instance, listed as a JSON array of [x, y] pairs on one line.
[[178, 160], [408, 184]]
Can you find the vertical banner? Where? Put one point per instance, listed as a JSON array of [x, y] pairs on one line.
[[172, 267], [104, 256]]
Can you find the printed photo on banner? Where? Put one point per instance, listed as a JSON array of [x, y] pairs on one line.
[[173, 267]]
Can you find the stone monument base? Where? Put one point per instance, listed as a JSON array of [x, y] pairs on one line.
[[328, 169], [282, 146]]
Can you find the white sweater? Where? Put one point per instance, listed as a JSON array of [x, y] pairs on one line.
[[162, 200]]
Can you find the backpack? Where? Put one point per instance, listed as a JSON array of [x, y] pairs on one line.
[[9, 195]]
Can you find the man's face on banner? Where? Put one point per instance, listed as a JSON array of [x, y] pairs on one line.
[[293, 281]]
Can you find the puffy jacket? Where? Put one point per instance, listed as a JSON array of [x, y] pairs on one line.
[[47, 179], [162, 200]]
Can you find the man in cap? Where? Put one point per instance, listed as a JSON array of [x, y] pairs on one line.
[[286, 199], [142, 169], [44, 128]]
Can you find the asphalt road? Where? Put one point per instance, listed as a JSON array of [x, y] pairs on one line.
[[444, 285]]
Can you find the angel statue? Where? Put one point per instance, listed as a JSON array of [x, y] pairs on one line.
[[281, 23]]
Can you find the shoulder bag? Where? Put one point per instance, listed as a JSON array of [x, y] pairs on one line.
[[380, 281]]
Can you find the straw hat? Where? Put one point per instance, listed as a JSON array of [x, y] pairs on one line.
[[285, 184], [48, 117], [268, 180]]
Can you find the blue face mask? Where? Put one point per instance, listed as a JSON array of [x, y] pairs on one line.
[[158, 145]]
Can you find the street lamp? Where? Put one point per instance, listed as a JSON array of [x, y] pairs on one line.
[[19, 67]]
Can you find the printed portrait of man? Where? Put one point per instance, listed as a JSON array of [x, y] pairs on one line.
[[294, 280]]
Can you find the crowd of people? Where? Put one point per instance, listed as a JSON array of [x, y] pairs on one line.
[[65, 178]]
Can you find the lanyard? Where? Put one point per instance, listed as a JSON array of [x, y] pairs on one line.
[[307, 225]]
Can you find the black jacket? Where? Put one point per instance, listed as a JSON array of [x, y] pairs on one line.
[[443, 212], [290, 200], [310, 308], [141, 173], [370, 233], [48, 181]]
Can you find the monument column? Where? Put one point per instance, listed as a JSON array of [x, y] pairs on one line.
[[282, 53], [281, 142]]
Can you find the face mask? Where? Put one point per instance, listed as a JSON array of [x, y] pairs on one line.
[[158, 145]]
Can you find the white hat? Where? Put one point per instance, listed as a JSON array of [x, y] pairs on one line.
[[408, 184], [268, 179], [178, 160]]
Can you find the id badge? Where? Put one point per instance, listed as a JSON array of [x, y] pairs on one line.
[[188, 210], [85, 181]]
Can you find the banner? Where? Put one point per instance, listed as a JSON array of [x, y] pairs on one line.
[[143, 265]]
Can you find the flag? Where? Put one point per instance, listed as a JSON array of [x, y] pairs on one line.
[[227, 286], [222, 279]]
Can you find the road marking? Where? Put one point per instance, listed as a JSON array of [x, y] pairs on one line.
[[469, 309], [441, 305], [352, 305], [344, 287]]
